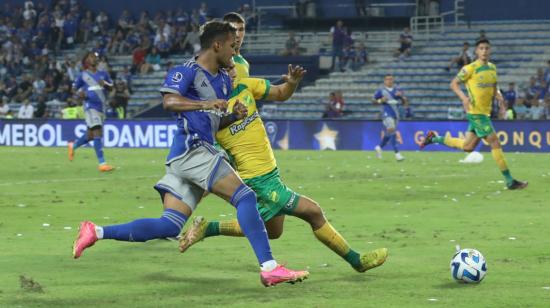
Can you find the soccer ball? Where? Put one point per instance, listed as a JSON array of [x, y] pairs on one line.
[[468, 266]]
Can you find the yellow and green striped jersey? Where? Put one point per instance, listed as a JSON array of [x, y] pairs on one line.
[[246, 140], [481, 82], [242, 67]]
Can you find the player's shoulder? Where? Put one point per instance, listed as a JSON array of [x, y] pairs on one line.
[[186, 70], [240, 60], [492, 65]]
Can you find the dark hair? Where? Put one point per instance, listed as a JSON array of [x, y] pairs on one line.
[[483, 41], [214, 30], [86, 55], [233, 17], [466, 43]]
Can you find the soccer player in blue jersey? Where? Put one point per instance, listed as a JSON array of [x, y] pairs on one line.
[[197, 93], [390, 96], [92, 86]]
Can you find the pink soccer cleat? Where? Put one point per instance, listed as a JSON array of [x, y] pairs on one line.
[[282, 274], [86, 238]]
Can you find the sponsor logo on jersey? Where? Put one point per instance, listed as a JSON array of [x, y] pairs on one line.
[[177, 77], [235, 128]]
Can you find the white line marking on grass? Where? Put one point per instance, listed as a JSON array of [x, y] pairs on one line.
[[432, 299], [546, 288], [49, 181]]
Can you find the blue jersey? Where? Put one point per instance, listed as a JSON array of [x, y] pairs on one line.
[[190, 80], [389, 108], [510, 96], [96, 95]]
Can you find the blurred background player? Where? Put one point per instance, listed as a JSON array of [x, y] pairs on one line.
[[247, 142], [241, 65], [481, 81], [390, 96], [197, 92], [92, 86]]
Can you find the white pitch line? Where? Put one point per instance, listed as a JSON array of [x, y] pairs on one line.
[[49, 181]]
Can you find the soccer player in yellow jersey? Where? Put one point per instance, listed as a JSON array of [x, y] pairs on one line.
[[246, 141], [480, 79], [241, 65]]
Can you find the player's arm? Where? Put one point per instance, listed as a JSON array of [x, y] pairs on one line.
[[177, 103], [462, 76], [379, 97], [501, 102], [284, 91], [239, 112]]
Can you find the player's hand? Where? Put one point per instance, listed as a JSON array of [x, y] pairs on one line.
[[102, 83], [215, 104], [239, 110], [294, 75]]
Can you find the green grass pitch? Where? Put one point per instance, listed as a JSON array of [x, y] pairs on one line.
[[420, 209]]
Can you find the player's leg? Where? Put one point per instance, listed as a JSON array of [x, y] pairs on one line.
[[467, 144], [498, 156], [231, 188], [168, 225], [309, 211]]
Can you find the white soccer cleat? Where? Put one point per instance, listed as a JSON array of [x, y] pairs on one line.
[[378, 150], [399, 157]]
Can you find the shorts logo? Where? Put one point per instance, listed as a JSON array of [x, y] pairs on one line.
[[177, 77], [290, 202], [274, 196]]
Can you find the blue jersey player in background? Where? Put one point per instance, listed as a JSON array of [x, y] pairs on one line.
[[92, 86], [197, 93], [390, 96]]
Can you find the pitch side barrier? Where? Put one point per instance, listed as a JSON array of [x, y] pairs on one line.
[[522, 136]]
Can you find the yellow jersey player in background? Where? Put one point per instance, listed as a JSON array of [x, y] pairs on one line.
[[241, 65], [247, 142], [480, 79]]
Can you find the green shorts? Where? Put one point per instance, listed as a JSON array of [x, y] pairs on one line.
[[274, 197], [480, 124]]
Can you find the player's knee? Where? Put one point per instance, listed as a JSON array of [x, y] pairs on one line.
[[316, 215], [243, 195], [274, 234]]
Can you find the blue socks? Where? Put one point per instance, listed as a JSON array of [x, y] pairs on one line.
[[393, 140], [98, 147], [80, 141], [244, 199], [141, 230], [384, 141]]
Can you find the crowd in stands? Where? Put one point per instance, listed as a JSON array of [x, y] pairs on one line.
[[32, 37], [347, 53]]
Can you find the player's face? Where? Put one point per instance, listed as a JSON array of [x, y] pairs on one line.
[[388, 81], [227, 51], [232, 71], [240, 33], [483, 51], [92, 59]]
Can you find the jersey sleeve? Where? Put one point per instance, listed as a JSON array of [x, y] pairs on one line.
[[107, 78], [257, 86], [78, 83], [378, 94], [465, 73], [178, 80]]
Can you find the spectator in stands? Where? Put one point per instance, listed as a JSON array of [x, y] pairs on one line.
[[249, 16], [152, 62], [127, 77], [537, 110], [4, 107], [361, 8], [138, 58], [41, 108], [125, 22], [119, 98], [348, 58], [510, 97], [406, 41], [86, 26], [192, 41], [465, 57], [292, 47], [117, 45], [26, 111], [334, 108], [301, 8], [203, 13], [361, 56], [24, 89], [163, 47], [338, 36], [38, 86], [533, 93], [547, 73]]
